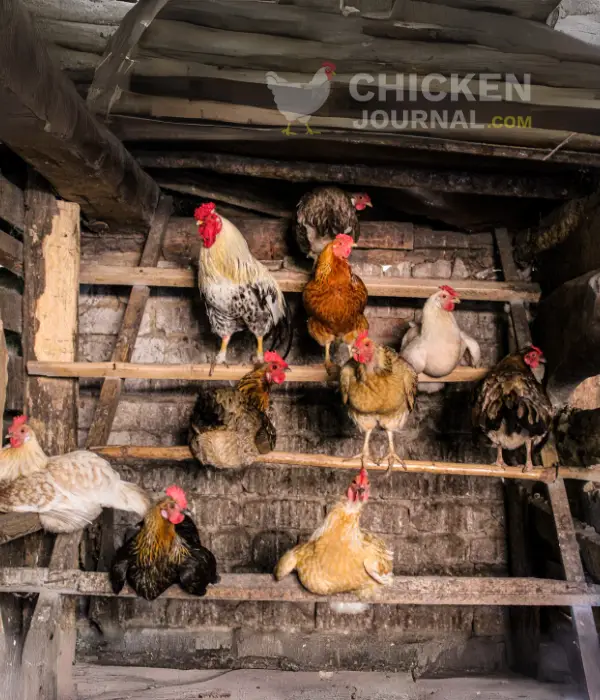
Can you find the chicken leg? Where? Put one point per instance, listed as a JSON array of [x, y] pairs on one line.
[[288, 130], [221, 358], [260, 355], [529, 462], [364, 456], [310, 131], [499, 458], [391, 456]]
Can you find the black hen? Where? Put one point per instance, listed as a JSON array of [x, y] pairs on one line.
[[165, 550]]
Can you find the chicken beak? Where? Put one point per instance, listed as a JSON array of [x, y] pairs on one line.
[[368, 204], [456, 300], [187, 512]]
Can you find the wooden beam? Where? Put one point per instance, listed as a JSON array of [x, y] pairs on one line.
[[126, 370], [527, 9], [138, 128], [295, 281], [11, 203], [11, 254], [3, 372], [51, 259], [15, 395], [405, 590], [116, 60], [11, 308], [45, 121], [545, 187], [299, 460]]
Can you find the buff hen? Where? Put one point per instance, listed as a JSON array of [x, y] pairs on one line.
[[340, 557]]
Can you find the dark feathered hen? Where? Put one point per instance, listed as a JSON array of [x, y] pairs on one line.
[[231, 427], [166, 550], [511, 407], [323, 213]]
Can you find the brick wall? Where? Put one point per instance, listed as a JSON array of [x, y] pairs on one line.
[[435, 524]]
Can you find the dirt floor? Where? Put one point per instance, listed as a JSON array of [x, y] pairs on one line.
[[119, 683]]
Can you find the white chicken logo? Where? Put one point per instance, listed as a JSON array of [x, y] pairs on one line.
[[299, 101]]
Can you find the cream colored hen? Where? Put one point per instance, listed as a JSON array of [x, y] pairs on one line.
[[67, 491]]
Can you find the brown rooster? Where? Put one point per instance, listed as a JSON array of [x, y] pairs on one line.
[[340, 557], [335, 298], [67, 491], [231, 427], [379, 388], [325, 211], [165, 550], [512, 407]]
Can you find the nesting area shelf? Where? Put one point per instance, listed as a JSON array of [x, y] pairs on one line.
[[405, 590], [292, 281], [132, 370], [299, 460]]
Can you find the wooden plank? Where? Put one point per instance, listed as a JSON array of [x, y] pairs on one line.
[[405, 590], [13, 526], [11, 254], [3, 371], [290, 281], [527, 9], [51, 259], [582, 617], [299, 460], [116, 60], [125, 370], [11, 203], [45, 121], [130, 326], [542, 186]]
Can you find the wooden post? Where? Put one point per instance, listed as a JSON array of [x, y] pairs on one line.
[[51, 270]]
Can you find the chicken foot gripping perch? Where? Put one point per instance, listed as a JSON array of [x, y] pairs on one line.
[[67, 491], [340, 557], [335, 298], [166, 550], [379, 388], [511, 406], [238, 290]]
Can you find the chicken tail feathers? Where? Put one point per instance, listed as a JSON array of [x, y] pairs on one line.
[[286, 564], [283, 336], [130, 497]]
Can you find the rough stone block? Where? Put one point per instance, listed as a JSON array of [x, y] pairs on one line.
[[233, 545], [423, 622], [269, 546], [327, 619], [215, 513], [488, 551], [385, 517], [283, 514], [490, 621], [432, 554]]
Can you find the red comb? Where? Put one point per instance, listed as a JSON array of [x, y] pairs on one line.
[[18, 421], [178, 495], [328, 64], [361, 337], [535, 349], [447, 288], [204, 210], [344, 238], [271, 356]]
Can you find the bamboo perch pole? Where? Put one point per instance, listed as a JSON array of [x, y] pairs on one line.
[[127, 370], [292, 281], [405, 590], [296, 459]]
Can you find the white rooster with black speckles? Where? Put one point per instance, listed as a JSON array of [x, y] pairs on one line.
[[238, 290]]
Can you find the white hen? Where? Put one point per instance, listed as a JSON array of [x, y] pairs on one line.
[[438, 345]]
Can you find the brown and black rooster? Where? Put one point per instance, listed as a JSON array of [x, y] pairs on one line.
[[165, 550], [511, 406], [324, 212], [231, 427]]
